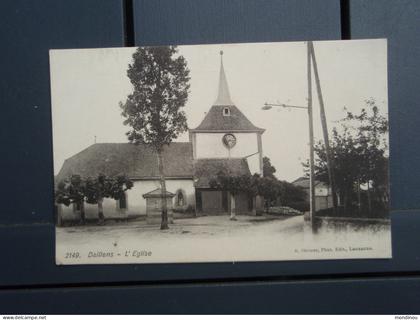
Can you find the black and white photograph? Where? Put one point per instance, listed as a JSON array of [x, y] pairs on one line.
[[221, 152]]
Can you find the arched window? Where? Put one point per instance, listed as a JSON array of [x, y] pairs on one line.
[[180, 200], [122, 202], [76, 206], [226, 111]]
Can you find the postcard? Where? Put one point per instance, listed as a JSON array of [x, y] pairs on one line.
[[221, 153]]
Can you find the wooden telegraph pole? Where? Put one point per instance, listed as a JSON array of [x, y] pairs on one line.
[[312, 208], [330, 161]]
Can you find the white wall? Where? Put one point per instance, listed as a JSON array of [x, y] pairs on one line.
[[136, 204], [322, 191], [254, 164], [210, 145]]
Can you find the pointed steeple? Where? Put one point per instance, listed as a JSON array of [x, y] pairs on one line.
[[223, 96], [224, 116]]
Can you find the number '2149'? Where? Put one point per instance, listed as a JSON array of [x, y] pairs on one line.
[[72, 255]]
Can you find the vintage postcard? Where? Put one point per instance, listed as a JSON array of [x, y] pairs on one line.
[[221, 153]]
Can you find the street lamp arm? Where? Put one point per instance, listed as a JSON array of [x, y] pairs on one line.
[[283, 105]]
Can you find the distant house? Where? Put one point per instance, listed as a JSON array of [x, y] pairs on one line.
[[224, 141], [323, 195]]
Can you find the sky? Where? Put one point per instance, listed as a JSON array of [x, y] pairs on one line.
[[88, 84]]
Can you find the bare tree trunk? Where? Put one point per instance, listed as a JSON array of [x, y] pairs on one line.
[[345, 202], [369, 198], [164, 224], [101, 211], [58, 210], [359, 196], [82, 213], [232, 207]]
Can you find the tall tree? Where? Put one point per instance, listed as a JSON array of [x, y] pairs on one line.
[[160, 80]]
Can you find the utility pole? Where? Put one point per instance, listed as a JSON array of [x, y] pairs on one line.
[[330, 161], [268, 106], [312, 208]]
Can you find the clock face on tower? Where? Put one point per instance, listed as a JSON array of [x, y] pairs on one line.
[[229, 140]]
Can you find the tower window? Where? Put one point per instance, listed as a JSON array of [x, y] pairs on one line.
[[226, 111]]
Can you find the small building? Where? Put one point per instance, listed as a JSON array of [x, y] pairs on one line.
[[154, 205], [323, 194]]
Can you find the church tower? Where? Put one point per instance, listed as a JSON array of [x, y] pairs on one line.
[[226, 133]]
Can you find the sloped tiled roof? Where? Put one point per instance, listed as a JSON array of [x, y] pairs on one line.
[[216, 121], [157, 193], [206, 169], [135, 161], [304, 183]]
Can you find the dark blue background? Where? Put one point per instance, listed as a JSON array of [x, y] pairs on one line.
[[29, 279]]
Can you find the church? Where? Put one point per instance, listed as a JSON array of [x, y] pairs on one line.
[[226, 140]]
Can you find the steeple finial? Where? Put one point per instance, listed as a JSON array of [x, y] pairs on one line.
[[223, 96]]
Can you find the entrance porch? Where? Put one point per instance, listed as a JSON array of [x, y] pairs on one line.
[[217, 202]]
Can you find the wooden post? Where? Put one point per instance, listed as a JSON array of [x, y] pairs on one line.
[[259, 200], [312, 208], [330, 162], [164, 223], [232, 207]]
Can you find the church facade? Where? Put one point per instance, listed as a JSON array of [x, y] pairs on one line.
[[224, 141]]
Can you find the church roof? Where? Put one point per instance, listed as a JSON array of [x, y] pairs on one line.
[[217, 120], [206, 169], [135, 161]]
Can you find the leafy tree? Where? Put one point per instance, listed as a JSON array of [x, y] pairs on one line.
[[72, 191], [96, 191], [270, 189], [347, 161], [234, 185], [160, 80], [268, 168], [268, 186], [293, 196], [106, 187], [274, 190], [360, 158], [372, 128], [119, 186]]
